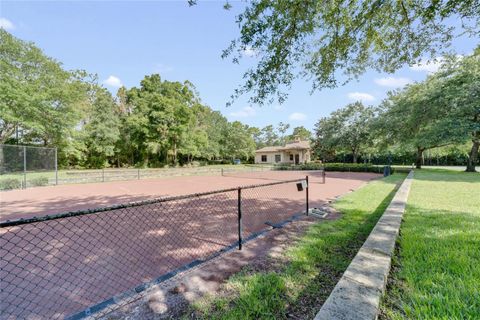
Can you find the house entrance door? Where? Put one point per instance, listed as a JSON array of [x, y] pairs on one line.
[[297, 158]]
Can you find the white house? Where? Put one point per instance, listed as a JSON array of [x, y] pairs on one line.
[[295, 152]]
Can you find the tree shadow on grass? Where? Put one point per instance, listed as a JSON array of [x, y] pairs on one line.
[[329, 245], [333, 263], [445, 175]]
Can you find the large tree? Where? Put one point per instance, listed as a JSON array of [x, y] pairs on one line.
[[300, 132], [333, 42], [346, 129], [419, 117], [37, 95], [161, 114], [101, 129], [238, 141], [459, 94]]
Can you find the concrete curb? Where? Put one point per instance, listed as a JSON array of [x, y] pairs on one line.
[[357, 294]]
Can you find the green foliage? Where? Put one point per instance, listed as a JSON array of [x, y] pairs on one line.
[[157, 123], [334, 42], [101, 130], [347, 128], [439, 111], [39, 181], [339, 167], [459, 93], [238, 141], [10, 183], [276, 136], [36, 95], [300, 132]]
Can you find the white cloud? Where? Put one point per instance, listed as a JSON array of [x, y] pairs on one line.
[[249, 52], [392, 82], [113, 81], [360, 96], [297, 116], [429, 66], [244, 113], [6, 24]]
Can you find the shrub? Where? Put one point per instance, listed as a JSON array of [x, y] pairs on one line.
[[39, 181], [223, 161], [339, 167], [10, 183]]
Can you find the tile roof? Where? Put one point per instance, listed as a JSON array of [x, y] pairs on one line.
[[296, 145]]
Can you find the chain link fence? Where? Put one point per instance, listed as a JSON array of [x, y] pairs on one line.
[[71, 264], [27, 166]]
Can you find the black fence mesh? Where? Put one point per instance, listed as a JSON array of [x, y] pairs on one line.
[[54, 267]]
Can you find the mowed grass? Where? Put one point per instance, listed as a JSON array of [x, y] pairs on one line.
[[436, 272], [312, 266]]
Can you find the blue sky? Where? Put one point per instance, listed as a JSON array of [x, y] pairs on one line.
[[123, 41]]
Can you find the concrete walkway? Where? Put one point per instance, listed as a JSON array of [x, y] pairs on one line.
[[357, 294]]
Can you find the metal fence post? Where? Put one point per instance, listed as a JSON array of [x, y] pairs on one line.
[[240, 240], [56, 167], [306, 196], [24, 167], [138, 174]]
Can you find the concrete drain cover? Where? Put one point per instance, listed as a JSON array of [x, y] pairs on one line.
[[322, 212]]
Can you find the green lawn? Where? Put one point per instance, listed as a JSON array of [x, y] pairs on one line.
[[313, 264], [436, 272]]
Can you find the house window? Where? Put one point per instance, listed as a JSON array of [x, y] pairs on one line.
[[264, 158], [291, 157], [278, 158]]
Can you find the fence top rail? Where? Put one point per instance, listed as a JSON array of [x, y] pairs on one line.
[[23, 221], [26, 146]]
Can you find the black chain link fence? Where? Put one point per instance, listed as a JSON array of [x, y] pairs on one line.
[[58, 266]]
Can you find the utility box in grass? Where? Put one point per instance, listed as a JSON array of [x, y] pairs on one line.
[[237, 161], [387, 170]]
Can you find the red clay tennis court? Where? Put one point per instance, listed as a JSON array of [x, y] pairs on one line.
[[59, 267]]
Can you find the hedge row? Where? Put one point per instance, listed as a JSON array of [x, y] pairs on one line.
[[15, 183], [339, 167]]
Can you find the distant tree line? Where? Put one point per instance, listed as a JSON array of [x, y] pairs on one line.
[[162, 122], [159, 122], [440, 115]]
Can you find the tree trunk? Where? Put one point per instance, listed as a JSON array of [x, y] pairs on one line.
[[3, 168], [418, 161], [473, 156], [354, 154], [175, 151]]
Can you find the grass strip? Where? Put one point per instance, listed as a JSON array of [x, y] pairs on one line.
[[312, 267], [436, 271]]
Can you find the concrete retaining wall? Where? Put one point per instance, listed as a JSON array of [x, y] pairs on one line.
[[357, 294]]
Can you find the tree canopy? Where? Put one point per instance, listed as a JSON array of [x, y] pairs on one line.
[[333, 42], [347, 128], [36, 94], [441, 111]]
